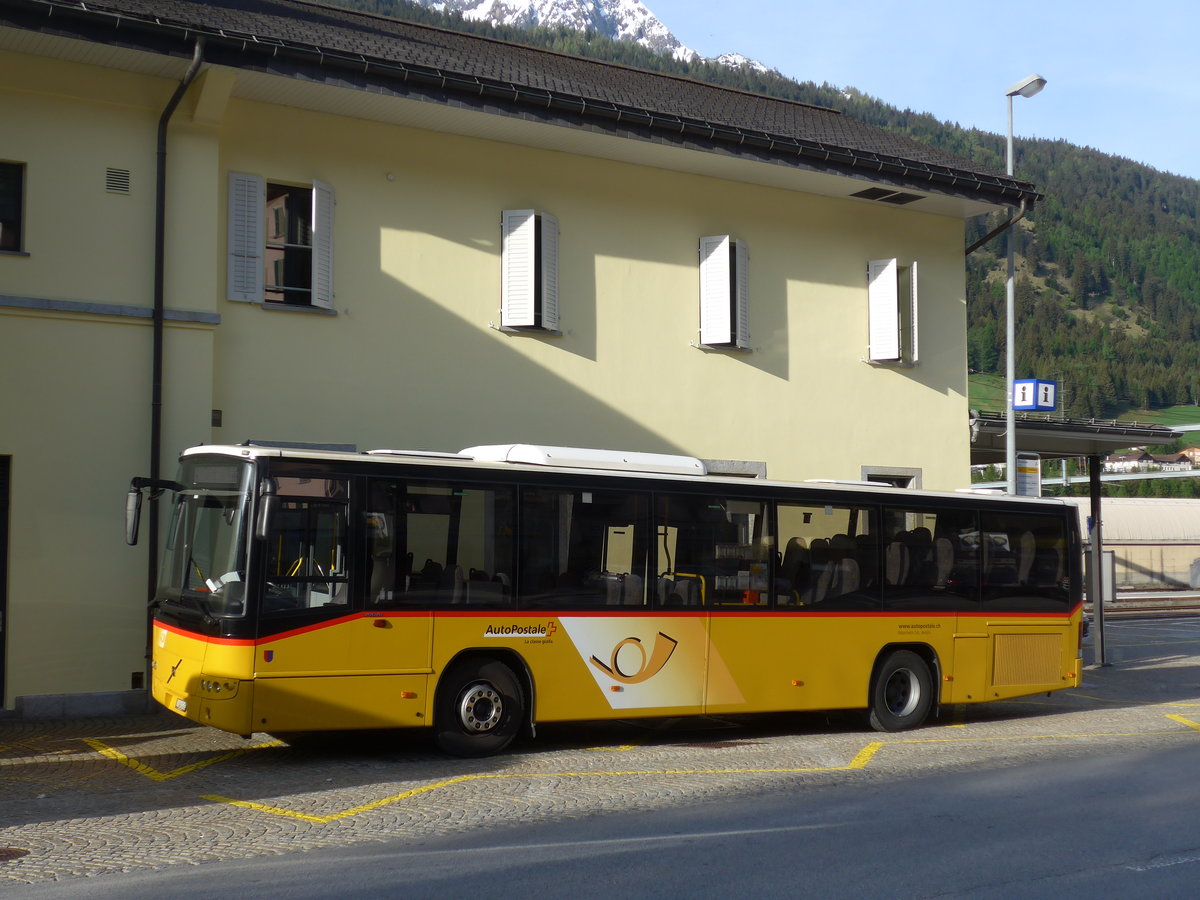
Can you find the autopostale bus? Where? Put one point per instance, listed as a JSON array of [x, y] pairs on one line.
[[478, 594]]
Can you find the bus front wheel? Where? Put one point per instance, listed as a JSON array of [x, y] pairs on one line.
[[480, 708], [901, 693]]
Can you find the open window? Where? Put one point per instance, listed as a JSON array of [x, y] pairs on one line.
[[280, 242], [529, 270], [892, 312], [12, 205], [724, 292]]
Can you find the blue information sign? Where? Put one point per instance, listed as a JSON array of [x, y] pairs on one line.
[[1035, 394]]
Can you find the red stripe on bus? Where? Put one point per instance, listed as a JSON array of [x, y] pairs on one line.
[[632, 612]]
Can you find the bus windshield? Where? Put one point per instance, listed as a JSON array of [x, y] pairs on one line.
[[205, 564]]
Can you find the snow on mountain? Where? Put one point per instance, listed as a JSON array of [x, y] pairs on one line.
[[737, 61], [622, 20]]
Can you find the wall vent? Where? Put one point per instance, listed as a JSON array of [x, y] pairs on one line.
[[116, 181], [884, 195]]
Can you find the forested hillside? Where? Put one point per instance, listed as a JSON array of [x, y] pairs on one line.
[[1108, 287]]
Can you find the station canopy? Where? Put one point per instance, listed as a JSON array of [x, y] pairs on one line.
[[1055, 437]]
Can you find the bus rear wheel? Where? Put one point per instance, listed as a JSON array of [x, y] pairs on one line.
[[479, 710], [901, 692]]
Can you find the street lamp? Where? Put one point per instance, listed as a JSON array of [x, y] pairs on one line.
[[1026, 87]]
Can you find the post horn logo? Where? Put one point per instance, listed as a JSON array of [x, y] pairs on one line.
[[651, 665]]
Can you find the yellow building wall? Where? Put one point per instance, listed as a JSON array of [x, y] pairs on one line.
[[412, 357], [75, 360]]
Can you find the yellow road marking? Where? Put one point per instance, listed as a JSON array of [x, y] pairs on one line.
[[1188, 722], [345, 814], [153, 774], [1130, 703], [859, 761], [960, 717]]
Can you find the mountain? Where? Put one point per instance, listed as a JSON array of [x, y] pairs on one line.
[[1108, 265], [621, 20]]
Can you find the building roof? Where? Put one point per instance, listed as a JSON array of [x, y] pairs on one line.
[[1144, 520], [334, 46]]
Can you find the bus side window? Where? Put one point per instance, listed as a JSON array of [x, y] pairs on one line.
[[1024, 562], [930, 559], [712, 551], [434, 544], [583, 549], [830, 558], [306, 565]]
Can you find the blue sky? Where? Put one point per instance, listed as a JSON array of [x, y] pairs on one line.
[[1122, 77]]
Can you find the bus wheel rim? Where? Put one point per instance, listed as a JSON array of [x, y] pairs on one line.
[[902, 693], [480, 708]]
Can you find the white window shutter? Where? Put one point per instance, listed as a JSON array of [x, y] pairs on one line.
[[912, 276], [247, 198], [742, 281], [883, 310], [322, 245], [716, 325], [549, 229], [517, 276]]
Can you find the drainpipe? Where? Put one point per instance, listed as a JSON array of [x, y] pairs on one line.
[[156, 391], [1020, 214]]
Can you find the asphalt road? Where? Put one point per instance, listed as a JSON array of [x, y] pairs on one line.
[[1084, 793], [1117, 825]]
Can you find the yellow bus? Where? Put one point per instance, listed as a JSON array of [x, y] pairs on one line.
[[478, 594]]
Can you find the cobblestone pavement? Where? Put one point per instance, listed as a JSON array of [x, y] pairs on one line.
[[86, 797]]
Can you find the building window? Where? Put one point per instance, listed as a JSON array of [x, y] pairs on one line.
[[12, 205], [280, 242], [724, 292], [892, 312], [528, 270], [894, 476]]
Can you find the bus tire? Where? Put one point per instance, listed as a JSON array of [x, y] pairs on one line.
[[901, 692], [480, 708]]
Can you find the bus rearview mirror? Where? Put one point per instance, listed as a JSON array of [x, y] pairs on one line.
[[133, 515]]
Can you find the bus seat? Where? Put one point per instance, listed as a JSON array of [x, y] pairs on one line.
[[867, 555], [614, 590], [383, 571], [820, 575], [794, 571], [624, 590], [896, 563], [635, 590], [921, 569], [794, 559], [451, 587], [943, 555], [430, 575], [1026, 551], [675, 592]]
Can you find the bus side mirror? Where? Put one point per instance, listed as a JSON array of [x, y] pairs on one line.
[[133, 515], [268, 503]]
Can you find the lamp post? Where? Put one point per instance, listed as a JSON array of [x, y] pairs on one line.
[[1026, 87]]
